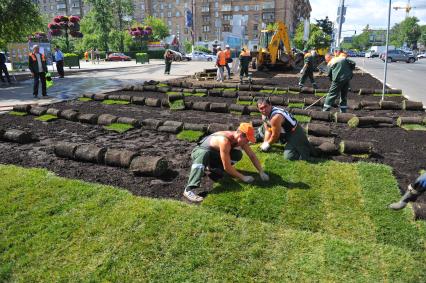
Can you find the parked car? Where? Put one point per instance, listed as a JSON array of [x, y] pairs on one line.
[[177, 56], [421, 55], [118, 57], [202, 56], [351, 53], [398, 55]]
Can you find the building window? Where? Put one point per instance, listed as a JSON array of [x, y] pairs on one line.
[[177, 14], [169, 23], [169, 14], [206, 19], [206, 37], [236, 8], [206, 28], [205, 9], [246, 8], [161, 15], [226, 28], [227, 17], [161, 6], [216, 14], [226, 8]]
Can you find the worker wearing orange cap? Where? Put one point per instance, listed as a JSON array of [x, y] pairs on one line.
[[217, 153]]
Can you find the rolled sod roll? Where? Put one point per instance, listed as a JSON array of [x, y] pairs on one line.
[[370, 105], [412, 105], [150, 82], [174, 83], [188, 90], [282, 88], [22, 108], [266, 87], [88, 118], [128, 87], [175, 96], [149, 165], [219, 107], [153, 102], [139, 100], [390, 105], [138, 87], [17, 136], [38, 110], [355, 105], [186, 84], [106, 119], [90, 153], [114, 97], [409, 120], [256, 87], [366, 91], [277, 100], [307, 90], [229, 94], [245, 98], [201, 106], [215, 92], [65, 149], [328, 148], [321, 115], [173, 124], [244, 87], [1, 134], [53, 111], [369, 121], [296, 100], [318, 130], [100, 96], [163, 89], [227, 85], [130, 121], [169, 129], [69, 114], [188, 104], [389, 91], [119, 158], [355, 147], [238, 108], [419, 210], [294, 88], [150, 88], [176, 89], [343, 117], [257, 122], [195, 127], [321, 90], [317, 141], [201, 90], [313, 101], [125, 97], [89, 95], [252, 109], [298, 111], [152, 123], [257, 95], [217, 127]]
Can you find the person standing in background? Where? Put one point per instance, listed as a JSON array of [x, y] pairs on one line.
[[38, 67], [228, 60], [59, 59], [3, 68]]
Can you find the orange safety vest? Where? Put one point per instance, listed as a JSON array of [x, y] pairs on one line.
[[245, 53], [221, 58], [227, 54], [35, 58]]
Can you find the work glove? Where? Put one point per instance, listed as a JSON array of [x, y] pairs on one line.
[[264, 176], [247, 179], [421, 182], [265, 146]]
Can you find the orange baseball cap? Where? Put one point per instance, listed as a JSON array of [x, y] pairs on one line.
[[247, 128]]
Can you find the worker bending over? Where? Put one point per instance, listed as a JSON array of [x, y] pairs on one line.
[[308, 70], [412, 193], [217, 153]]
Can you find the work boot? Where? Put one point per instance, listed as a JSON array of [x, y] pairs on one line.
[[408, 196]]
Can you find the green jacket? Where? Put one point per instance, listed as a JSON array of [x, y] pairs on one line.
[[309, 60], [341, 69]]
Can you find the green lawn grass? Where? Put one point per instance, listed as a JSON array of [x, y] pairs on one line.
[[189, 135], [119, 127], [17, 113], [46, 118], [388, 94], [320, 94], [280, 92], [84, 99], [293, 92], [246, 102], [302, 118], [229, 89], [236, 112], [115, 102], [325, 222], [296, 105], [413, 127], [268, 91], [172, 92], [177, 105], [199, 94], [162, 85]]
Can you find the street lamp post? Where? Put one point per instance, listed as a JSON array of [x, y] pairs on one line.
[[387, 49]]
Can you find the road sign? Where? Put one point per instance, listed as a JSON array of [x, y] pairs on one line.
[[338, 11], [338, 20]]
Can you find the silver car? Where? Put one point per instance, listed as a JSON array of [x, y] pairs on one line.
[[398, 55]]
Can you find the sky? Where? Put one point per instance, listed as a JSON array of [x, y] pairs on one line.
[[361, 13]]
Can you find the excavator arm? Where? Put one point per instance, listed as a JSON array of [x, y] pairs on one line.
[[281, 35]]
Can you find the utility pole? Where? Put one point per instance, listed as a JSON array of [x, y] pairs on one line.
[[341, 20], [387, 49], [193, 25]]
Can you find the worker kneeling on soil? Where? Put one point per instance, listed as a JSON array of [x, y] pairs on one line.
[[412, 193], [281, 126], [217, 153], [340, 72]]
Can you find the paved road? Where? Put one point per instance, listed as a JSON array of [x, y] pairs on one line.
[[411, 78], [105, 77]]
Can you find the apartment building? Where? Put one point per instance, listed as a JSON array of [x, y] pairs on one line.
[[211, 18]]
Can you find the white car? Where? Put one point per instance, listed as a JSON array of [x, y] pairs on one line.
[[421, 55], [202, 56]]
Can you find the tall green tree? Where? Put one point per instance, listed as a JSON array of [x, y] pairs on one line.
[[422, 38], [325, 25], [18, 19], [408, 31], [101, 20], [159, 27], [362, 41], [317, 37], [122, 10]]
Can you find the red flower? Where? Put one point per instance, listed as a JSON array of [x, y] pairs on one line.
[[74, 19], [64, 18], [56, 32], [57, 19]]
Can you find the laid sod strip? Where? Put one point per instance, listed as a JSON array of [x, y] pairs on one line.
[[17, 113], [236, 112], [114, 102], [270, 91], [296, 105], [189, 135], [198, 94], [84, 99], [177, 105], [320, 94], [388, 94], [245, 102], [229, 89], [46, 118], [162, 85], [255, 114], [280, 92], [172, 92], [119, 127], [302, 118], [413, 127]]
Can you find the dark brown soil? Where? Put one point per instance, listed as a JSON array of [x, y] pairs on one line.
[[404, 151]]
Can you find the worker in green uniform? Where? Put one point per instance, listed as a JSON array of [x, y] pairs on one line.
[[281, 126], [307, 70], [340, 72], [217, 153]]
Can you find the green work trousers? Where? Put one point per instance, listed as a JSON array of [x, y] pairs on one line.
[[203, 157], [244, 70], [337, 89], [168, 66], [307, 75]]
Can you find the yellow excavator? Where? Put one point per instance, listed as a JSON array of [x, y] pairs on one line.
[[274, 51]]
